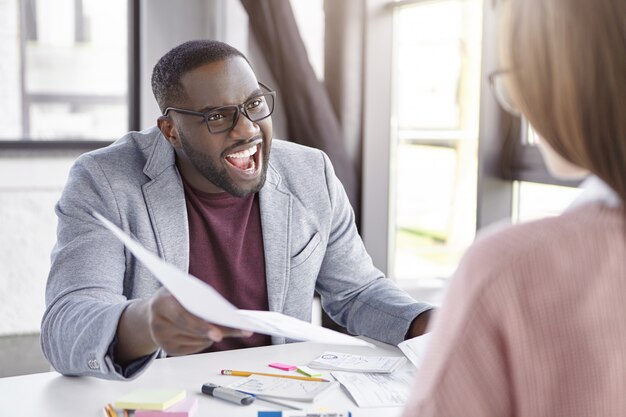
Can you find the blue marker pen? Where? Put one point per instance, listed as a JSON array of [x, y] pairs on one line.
[[227, 394]]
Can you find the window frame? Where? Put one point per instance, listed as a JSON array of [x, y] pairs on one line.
[[528, 165], [134, 109], [495, 194], [503, 157]]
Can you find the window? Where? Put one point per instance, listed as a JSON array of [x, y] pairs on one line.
[[422, 147], [309, 16], [545, 195], [434, 136], [65, 76], [537, 200]]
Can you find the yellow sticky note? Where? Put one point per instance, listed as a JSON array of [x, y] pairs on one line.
[[305, 370], [150, 399]]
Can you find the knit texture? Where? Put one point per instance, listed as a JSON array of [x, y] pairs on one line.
[[533, 324]]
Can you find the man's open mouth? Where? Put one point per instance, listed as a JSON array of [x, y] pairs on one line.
[[245, 160]]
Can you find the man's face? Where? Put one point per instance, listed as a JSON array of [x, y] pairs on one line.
[[234, 161]]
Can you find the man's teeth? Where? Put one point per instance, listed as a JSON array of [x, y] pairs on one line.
[[251, 168], [243, 154]]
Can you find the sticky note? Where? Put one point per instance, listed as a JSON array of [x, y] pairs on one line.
[[308, 371], [150, 399], [184, 408], [283, 366]]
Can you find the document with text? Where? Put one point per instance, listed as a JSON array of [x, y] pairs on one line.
[[378, 390], [347, 362], [289, 389], [205, 302], [415, 349]]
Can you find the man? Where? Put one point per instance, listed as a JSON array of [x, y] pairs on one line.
[[202, 191]]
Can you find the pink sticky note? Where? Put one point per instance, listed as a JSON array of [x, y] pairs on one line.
[[283, 366], [183, 408]]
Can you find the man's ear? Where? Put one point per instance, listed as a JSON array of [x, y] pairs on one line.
[[167, 127]]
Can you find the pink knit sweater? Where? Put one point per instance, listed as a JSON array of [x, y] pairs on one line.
[[533, 324]]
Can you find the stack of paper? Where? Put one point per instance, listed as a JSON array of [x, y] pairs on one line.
[[336, 361], [377, 389]]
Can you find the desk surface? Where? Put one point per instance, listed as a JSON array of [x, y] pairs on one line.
[[51, 394]]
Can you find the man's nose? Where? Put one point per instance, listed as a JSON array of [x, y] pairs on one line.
[[244, 127]]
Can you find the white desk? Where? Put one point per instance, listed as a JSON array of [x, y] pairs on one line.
[[51, 394]]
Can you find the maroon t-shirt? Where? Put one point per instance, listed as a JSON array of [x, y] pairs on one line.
[[226, 252]]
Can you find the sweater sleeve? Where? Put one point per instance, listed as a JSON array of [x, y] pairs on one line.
[[465, 370]]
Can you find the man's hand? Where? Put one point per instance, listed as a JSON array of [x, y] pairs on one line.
[[179, 332], [160, 321], [419, 325]]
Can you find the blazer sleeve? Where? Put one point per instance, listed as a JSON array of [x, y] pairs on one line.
[[353, 291], [85, 289]]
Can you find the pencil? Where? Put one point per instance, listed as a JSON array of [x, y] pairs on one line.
[[246, 373], [110, 411]]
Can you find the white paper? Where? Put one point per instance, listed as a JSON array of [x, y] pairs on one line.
[[286, 388], [378, 390], [203, 301], [357, 363], [415, 348]]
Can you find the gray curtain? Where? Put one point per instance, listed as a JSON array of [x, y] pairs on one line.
[[311, 118], [343, 71]]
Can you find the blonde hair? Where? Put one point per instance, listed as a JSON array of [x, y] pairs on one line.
[[568, 76]]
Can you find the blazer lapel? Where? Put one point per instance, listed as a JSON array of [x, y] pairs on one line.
[[275, 223], [165, 201]]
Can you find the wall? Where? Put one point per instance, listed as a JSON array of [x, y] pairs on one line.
[[31, 182], [30, 185]]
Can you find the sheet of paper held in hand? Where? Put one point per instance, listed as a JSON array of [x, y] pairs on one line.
[[205, 302]]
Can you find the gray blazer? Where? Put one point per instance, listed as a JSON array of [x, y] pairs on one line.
[[310, 242]]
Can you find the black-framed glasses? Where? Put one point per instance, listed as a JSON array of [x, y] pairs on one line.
[[496, 81], [223, 119]]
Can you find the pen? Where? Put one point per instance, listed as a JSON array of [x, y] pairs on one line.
[[273, 401], [246, 373], [227, 394]]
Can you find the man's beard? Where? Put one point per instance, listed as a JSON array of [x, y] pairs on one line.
[[218, 175]]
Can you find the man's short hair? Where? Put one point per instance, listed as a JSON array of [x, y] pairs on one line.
[[166, 86]]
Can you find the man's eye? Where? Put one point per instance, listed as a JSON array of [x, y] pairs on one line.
[[215, 117], [254, 103]]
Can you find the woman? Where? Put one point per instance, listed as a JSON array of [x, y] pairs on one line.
[[534, 321]]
